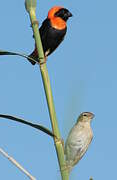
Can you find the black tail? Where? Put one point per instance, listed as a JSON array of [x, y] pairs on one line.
[[31, 61], [33, 55]]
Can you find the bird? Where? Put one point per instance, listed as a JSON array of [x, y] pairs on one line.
[[52, 31], [78, 140]]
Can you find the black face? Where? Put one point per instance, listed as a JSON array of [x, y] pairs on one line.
[[63, 13]]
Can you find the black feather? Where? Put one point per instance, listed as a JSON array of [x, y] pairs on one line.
[[50, 37]]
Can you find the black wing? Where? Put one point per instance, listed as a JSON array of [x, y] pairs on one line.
[[51, 37]]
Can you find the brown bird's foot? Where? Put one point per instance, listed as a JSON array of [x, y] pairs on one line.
[[44, 60], [66, 167], [60, 141], [34, 22]]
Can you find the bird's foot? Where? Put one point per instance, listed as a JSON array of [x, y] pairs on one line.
[[44, 60], [60, 141], [66, 167], [34, 22]]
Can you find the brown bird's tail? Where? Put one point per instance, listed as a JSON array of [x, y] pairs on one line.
[[33, 55]]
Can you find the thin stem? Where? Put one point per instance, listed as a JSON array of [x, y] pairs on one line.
[[49, 97], [58, 142], [13, 161]]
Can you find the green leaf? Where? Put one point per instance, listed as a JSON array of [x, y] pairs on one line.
[[36, 126]]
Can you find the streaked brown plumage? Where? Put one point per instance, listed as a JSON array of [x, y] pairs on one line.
[[78, 139]]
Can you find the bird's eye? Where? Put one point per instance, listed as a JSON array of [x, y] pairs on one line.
[[84, 115]]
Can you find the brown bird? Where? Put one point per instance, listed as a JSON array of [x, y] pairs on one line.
[[78, 139]]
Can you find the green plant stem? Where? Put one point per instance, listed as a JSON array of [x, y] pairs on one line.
[[47, 87]]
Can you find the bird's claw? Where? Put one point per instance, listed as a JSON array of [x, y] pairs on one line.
[[34, 22], [44, 60]]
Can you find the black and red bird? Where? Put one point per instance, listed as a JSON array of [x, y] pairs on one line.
[[52, 31]]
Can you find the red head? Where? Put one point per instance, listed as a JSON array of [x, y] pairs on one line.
[[58, 16]]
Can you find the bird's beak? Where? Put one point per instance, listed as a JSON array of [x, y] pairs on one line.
[[92, 115], [69, 14]]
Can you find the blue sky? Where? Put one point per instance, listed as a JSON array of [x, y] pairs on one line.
[[83, 74]]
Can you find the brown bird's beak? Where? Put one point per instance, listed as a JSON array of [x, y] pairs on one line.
[[92, 115]]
